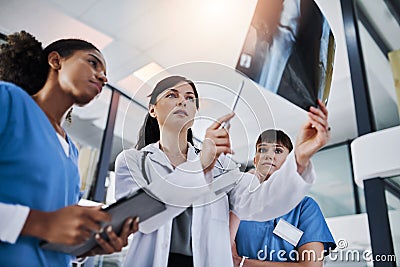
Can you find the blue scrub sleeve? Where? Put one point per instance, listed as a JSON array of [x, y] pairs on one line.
[[5, 104], [313, 224]]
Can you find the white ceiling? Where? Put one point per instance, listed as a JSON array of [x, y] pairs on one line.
[[201, 39]]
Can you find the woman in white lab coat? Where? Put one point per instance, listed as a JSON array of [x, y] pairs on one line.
[[199, 187]]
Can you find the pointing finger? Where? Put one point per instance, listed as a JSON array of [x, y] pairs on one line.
[[221, 120]]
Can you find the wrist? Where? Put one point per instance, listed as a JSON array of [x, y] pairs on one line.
[[241, 264], [35, 224], [79, 261], [301, 161]]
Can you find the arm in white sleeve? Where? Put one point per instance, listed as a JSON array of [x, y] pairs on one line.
[[125, 182], [177, 189], [251, 200], [13, 219]]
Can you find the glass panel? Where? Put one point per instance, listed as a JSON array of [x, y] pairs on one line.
[[130, 117], [393, 203], [113, 260], [377, 66], [86, 130], [380, 83], [334, 189], [395, 180], [361, 197]]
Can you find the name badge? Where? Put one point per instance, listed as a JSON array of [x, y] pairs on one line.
[[288, 232]]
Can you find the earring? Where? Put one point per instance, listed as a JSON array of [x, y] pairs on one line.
[[68, 118], [152, 114]]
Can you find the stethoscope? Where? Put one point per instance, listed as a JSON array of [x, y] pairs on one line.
[[222, 168]]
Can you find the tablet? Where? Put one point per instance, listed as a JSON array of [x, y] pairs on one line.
[[139, 204]]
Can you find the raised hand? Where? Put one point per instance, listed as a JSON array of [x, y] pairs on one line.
[[313, 135], [75, 224], [216, 142]]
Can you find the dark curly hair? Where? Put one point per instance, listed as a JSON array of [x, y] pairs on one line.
[[23, 61]]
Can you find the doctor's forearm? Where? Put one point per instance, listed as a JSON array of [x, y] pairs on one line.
[[302, 161], [35, 224]]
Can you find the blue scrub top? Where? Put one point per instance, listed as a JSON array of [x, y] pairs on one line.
[[256, 240], [34, 172]]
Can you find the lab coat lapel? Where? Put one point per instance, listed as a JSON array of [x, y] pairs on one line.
[[156, 155], [191, 153]]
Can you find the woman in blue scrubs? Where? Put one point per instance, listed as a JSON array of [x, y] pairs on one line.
[[300, 236], [38, 161]]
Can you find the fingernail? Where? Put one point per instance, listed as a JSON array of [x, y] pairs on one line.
[[137, 220], [97, 236], [109, 229], [130, 221]]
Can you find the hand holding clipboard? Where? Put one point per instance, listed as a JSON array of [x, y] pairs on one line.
[[139, 204]]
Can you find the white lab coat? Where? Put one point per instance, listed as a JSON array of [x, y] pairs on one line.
[[187, 185]]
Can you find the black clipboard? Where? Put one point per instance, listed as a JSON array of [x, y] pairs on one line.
[[140, 204]]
